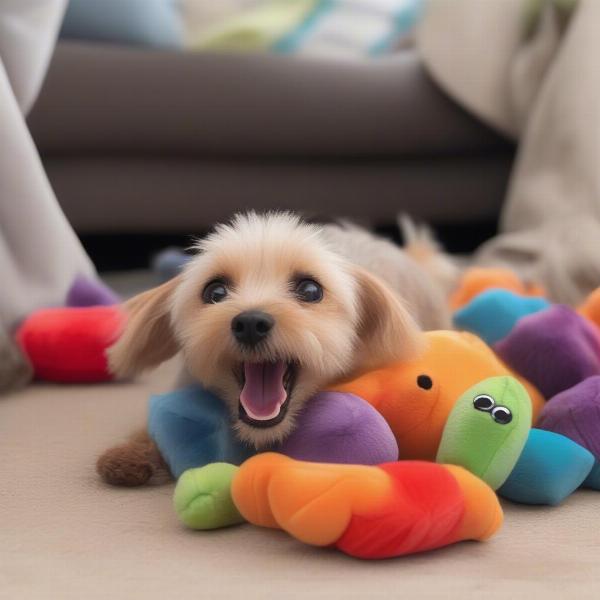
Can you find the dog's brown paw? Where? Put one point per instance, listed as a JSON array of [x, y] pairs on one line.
[[126, 465]]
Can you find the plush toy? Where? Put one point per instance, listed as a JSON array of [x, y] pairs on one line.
[[368, 512], [487, 429], [590, 309], [575, 413], [493, 314], [554, 349], [421, 402], [477, 279], [557, 349], [550, 468], [416, 397], [376, 512], [192, 427], [85, 291], [69, 344]]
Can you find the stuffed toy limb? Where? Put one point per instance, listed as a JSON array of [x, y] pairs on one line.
[[381, 511]]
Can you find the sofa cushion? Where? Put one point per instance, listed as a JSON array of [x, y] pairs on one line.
[[101, 98]]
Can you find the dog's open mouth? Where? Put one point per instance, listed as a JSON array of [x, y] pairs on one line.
[[266, 388]]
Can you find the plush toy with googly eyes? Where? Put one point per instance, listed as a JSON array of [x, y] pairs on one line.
[[487, 429]]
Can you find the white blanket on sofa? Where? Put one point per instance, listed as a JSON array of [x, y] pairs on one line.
[[543, 90], [39, 253]]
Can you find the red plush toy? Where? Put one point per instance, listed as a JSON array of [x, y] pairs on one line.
[[68, 345]]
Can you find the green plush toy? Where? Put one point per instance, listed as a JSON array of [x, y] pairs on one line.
[[487, 429], [202, 497]]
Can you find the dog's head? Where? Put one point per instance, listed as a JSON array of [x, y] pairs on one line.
[[266, 315]]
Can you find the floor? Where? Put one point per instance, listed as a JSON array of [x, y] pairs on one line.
[[65, 535]]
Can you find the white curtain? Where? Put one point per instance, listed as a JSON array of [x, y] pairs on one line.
[[39, 252]]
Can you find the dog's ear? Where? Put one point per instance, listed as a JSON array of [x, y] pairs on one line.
[[386, 331], [147, 338]]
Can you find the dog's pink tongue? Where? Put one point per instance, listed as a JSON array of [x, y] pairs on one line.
[[263, 392]]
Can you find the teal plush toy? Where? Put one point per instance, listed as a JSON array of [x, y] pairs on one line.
[[550, 468], [492, 314]]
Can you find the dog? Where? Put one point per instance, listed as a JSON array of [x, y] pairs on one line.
[[270, 311]]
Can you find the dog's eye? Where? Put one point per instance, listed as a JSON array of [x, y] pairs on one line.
[[308, 290], [214, 292]]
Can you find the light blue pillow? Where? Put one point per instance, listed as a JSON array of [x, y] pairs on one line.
[[155, 23]]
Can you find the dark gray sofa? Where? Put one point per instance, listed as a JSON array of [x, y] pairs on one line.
[[146, 141]]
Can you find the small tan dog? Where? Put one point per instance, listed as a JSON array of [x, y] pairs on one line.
[[270, 311]]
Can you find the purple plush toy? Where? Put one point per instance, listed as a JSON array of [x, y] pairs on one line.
[[85, 291], [555, 349], [341, 428], [575, 413]]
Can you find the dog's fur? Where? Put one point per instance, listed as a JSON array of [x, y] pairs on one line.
[[358, 325]]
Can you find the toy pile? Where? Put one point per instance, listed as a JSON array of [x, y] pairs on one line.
[[403, 459]]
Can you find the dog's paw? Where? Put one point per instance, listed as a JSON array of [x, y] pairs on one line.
[[125, 465], [202, 497]]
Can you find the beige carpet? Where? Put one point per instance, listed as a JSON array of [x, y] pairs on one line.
[[65, 535]]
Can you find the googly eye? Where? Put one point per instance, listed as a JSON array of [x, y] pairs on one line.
[[424, 382], [502, 415], [484, 402]]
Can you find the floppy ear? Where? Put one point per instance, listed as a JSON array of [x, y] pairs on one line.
[[387, 332], [147, 338]]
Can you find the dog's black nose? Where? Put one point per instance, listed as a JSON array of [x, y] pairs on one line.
[[251, 327]]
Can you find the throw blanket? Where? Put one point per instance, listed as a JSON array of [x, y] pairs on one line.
[[533, 75], [316, 27]]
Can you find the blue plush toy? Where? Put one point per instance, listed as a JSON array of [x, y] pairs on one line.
[[492, 314], [192, 428], [550, 468]]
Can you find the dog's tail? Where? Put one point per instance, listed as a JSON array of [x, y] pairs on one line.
[[422, 246]]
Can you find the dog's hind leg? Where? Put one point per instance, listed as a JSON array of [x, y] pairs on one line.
[[134, 463]]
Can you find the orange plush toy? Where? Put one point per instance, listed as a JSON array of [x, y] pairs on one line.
[[390, 510], [478, 279], [416, 397], [590, 309]]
